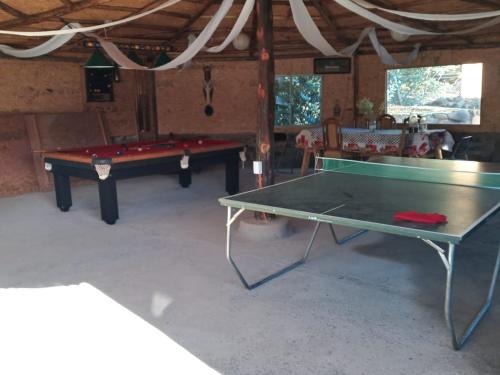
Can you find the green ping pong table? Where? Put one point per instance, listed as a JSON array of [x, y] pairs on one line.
[[366, 195]]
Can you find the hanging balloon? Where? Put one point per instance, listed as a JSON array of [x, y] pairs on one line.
[[398, 37], [241, 42]]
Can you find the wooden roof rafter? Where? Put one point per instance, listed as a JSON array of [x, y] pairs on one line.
[[185, 28], [56, 12], [12, 11], [329, 19], [493, 4], [122, 8], [171, 25]]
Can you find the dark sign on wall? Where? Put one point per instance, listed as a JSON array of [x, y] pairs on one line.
[[332, 65], [99, 82]]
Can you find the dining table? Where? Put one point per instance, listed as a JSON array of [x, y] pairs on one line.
[[364, 141], [387, 141]]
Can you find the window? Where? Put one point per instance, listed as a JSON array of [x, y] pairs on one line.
[[449, 94], [298, 100]]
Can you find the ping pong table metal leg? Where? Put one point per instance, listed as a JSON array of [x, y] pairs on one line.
[[458, 343], [230, 220], [346, 238]]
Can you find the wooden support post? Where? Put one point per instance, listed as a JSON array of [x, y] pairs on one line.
[[355, 90], [265, 92], [36, 146]]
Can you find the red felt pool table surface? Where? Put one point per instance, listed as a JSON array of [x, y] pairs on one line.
[[120, 153]]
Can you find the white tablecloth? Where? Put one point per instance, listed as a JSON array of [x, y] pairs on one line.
[[388, 140]]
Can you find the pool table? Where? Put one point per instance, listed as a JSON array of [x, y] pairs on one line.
[[122, 161]]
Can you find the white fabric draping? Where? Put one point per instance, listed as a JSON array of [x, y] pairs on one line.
[[195, 47], [403, 29], [88, 29], [301, 16], [191, 38], [50, 45], [309, 30], [195, 44], [431, 16], [237, 28]]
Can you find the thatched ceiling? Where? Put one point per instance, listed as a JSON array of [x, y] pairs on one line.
[[172, 25]]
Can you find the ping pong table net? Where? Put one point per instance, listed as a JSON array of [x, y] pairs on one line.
[[442, 173]]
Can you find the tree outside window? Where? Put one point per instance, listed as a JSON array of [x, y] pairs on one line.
[[298, 100], [449, 94]]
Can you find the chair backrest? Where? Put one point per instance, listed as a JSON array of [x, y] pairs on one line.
[[387, 121], [461, 147], [331, 133]]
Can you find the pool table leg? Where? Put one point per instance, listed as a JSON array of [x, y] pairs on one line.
[[62, 187], [108, 200], [233, 175], [185, 177]]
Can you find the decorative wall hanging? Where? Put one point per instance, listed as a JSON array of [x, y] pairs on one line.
[[208, 90], [332, 65]]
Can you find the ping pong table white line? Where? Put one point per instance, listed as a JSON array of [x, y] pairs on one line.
[[333, 209], [397, 165], [269, 186]]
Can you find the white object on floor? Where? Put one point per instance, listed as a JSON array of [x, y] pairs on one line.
[[79, 330]]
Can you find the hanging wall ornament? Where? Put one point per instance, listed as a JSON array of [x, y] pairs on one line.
[[208, 90]]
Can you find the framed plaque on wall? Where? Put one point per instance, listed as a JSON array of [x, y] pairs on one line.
[[99, 83], [332, 65]]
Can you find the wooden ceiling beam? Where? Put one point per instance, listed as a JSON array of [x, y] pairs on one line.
[[56, 12], [489, 3], [185, 28], [12, 11], [432, 26], [329, 19], [120, 8], [130, 25]]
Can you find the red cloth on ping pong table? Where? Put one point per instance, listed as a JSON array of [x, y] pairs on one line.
[[421, 217]]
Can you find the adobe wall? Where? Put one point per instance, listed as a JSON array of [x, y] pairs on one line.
[[31, 86], [181, 101]]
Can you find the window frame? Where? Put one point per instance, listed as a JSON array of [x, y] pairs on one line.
[[295, 127], [438, 65]]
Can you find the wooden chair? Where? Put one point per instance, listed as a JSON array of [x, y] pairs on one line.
[[308, 149], [387, 121], [461, 148], [332, 138], [366, 154]]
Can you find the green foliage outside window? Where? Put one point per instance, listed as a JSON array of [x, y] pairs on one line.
[[298, 100], [417, 86], [449, 94]]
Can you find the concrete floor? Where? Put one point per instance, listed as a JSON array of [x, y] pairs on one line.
[[373, 306]]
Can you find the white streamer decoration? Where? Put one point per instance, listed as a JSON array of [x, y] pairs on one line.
[[431, 16], [91, 28], [237, 28], [403, 29], [309, 30], [50, 45], [301, 16], [193, 48]]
